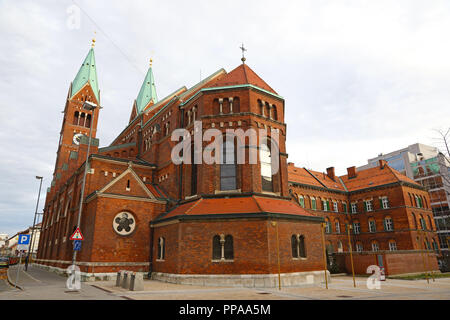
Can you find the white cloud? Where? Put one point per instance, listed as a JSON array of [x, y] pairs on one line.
[[359, 77]]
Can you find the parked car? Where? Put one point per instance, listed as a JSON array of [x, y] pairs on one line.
[[4, 262]]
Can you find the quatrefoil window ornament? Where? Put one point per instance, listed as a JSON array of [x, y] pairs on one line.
[[124, 223]]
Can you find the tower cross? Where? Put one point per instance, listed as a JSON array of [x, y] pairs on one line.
[[243, 50]]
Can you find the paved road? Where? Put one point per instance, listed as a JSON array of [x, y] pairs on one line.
[[38, 284]]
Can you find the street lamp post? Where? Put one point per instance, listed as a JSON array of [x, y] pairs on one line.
[[322, 226], [349, 227], [89, 106], [275, 224], [34, 224]]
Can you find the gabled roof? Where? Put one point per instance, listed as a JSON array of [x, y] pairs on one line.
[[147, 94], [86, 74], [373, 177], [367, 178], [242, 75]]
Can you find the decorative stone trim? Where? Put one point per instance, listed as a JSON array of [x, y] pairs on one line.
[[310, 278]]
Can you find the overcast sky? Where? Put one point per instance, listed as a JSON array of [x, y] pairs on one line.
[[359, 77]]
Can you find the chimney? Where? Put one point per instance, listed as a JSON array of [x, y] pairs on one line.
[[330, 173], [351, 172], [290, 164], [382, 163]]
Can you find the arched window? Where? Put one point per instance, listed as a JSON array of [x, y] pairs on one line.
[[82, 119], [340, 247], [76, 118], [88, 121], [228, 166], [161, 248], [327, 226], [266, 168], [313, 203], [217, 249], [301, 201], [298, 246], [301, 246], [229, 253], [294, 246], [274, 112], [435, 245], [223, 247], [414, 220], [423, 224], [261, 107], [430, 223], [388, 224], [236, 105]]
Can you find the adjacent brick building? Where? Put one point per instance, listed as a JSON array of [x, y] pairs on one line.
[[202, 223]]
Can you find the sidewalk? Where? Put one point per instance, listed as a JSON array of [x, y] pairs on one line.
[[340, 288]]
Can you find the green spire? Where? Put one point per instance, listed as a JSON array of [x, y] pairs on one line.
[[87, 73], [147, 93]]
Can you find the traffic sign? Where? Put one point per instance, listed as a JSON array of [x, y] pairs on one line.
[[77, 235], [24, 239], [77, 245]]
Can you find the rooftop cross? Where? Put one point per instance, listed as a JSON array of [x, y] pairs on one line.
[[243, 50]]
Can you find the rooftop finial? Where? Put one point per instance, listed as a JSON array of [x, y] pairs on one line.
[[151, 62], [93, 40], [243, 50]]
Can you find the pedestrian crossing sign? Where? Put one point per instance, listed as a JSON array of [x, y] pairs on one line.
[[77, 235]]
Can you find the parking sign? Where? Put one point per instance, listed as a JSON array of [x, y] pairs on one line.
[[24, 239]]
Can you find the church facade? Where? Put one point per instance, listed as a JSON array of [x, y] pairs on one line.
[[210, 223]]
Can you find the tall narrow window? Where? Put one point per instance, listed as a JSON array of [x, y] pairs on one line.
[[375, 246], [76, 117], [193, 172], [161, 248], [88, 121], [392, 245], [223, 247], [301, 246], [313, 203], [354, 208], [217, 249], [388, 224], [228, 166], [356, 227], [266, 168], [301, 201], [337, 226], [294, 246], [359, 247], [372, 227]]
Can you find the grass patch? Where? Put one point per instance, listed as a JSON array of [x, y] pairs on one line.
[[421, 276]]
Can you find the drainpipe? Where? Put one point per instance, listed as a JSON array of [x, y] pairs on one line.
[[150, 267]]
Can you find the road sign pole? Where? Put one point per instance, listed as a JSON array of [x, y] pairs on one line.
[[18, 268]]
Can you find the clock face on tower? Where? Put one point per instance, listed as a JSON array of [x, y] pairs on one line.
[[77, 138]]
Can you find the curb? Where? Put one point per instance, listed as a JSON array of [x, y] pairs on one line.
[[12, 283]]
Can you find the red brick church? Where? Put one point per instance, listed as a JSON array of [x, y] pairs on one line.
[[218, 223]]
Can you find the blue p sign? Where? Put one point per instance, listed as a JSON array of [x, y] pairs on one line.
[[24, 239]]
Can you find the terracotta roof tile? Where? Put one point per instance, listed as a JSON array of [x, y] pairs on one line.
[[243, 74], [236, 205]]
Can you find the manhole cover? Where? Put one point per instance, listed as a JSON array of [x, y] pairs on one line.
[[344, 296], [263, 292]]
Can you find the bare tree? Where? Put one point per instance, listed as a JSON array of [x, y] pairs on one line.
[[444, 139]]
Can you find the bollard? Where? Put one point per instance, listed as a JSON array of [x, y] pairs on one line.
[[125, 280], [119, 273], [137, 282]]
